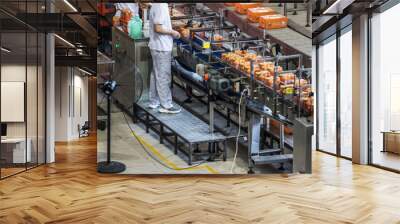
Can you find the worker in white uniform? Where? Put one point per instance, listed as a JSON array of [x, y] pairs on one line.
[[161, 43]]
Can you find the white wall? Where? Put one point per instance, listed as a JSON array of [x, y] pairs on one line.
[[79, 112], [11, 73], [71, 102], [61, 103], [17, 73]]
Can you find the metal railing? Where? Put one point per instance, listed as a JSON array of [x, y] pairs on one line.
[[294, 8]]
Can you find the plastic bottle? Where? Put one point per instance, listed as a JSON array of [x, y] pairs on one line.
[[135, 27]]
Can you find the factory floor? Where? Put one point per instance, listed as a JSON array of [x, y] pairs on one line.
[[153, 156]]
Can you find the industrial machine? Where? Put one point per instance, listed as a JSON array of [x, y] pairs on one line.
[[264, 91], [277, 88], [133, 65]]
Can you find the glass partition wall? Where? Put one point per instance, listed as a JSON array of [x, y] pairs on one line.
[[345, 62], [334, 94], [385, 90], [327, 96], [334, 126], [22, 77]]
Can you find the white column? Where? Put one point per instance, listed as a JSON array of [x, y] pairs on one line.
[[50, 101], [62, 103], [314, 89], [360, 90]]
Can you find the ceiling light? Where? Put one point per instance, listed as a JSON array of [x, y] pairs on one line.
[[86, 72], [70, 5], [337, 7], [65, 41], [5, 50]]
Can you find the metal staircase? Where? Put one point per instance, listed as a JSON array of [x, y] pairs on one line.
[[258, 156]]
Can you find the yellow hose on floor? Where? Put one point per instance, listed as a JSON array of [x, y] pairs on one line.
[[169, 163]]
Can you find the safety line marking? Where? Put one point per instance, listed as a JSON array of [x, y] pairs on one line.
[[170, 163]]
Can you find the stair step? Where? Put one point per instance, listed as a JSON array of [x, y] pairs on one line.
[[259, 160], [269, 151]]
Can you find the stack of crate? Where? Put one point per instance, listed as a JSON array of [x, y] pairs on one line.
[[254, 14], [242, 8], [273, 22], [265, 16]]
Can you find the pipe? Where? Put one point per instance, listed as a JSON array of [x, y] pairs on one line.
[[188, 74]]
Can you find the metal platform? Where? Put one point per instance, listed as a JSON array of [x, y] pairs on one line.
[[185, 128], [282, 158]]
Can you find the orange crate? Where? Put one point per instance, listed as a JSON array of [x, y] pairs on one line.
[[273, 22], [243, 7], [276, 125], [253, 14]]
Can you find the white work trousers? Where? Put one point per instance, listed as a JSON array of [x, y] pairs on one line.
[[160, 79]]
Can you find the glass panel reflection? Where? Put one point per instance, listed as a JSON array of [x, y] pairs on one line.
[[385, 92], [346, 94], [15, 149], [327, 96]]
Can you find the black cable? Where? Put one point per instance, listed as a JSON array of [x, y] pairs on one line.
[[152, 156]]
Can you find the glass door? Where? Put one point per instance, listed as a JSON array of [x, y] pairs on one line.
[[385, 90], [15, 149], [326, 140], [22, 101]]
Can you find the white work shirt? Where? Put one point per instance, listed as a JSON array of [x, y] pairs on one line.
[[133, 7], [159, 14]]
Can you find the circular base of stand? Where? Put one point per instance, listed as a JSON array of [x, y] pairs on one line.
[[111, 167]]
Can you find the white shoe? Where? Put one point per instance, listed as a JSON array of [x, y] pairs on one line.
[[172, 110], [153, 106]]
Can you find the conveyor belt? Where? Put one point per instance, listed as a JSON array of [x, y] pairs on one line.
[[198, 107], [293, 42]]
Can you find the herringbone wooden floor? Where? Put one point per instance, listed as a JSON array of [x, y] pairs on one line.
[[71, 191]]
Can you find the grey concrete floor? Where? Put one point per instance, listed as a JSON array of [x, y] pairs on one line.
[[126, 149]]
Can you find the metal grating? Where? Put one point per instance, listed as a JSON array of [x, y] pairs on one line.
[[186, 125]]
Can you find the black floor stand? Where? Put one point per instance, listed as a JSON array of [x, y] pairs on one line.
[[109, 166]]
